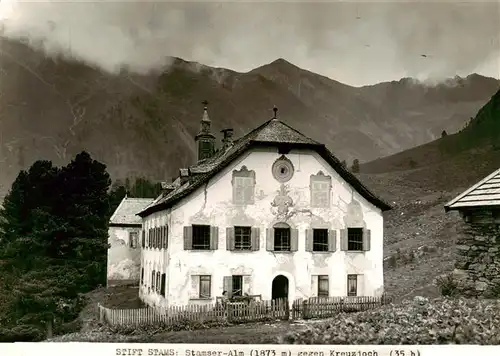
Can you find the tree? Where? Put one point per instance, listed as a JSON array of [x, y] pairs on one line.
[[444, 133], [355, 166], [53, 236]]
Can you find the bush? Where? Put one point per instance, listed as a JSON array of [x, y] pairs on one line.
[[22, 333], [447, 285], [441, 321]]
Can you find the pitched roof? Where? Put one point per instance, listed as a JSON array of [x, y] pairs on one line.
[[484, 193], [126, 212], [271, 133]]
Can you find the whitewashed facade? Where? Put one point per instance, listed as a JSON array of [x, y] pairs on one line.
[[263, 216], [124, 249]]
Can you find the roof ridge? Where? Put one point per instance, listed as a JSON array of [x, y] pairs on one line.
[[490, 176], [298, 132], [117, 208]]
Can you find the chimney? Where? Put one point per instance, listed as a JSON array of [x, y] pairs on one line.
[[205, 139], [184, 175], [227, 139], [167, 187]]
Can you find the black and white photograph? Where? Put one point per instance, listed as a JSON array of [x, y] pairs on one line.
[[261, 173]]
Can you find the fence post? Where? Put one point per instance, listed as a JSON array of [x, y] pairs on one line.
[[304, 309]]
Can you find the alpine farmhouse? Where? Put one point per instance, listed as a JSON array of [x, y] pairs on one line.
[[124, 252], [272, 213]]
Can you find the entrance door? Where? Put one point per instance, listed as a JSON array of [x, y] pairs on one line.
[[280, 287]]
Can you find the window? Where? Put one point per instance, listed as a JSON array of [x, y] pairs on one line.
[[153, 274], [150, 237], [320, 190], [132, 239], [282, 239], [323, 286], [242, 238], [352, 285], [243, 186], [237, 285], [142, 275], [201, 237], [158, 278], [320, 240], [143, 238], [355, 239], [205, 286]]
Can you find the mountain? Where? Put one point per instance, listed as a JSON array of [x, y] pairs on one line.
[[451, 162], [145, 124]]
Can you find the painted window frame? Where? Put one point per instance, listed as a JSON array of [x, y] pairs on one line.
[[316, 180], [243, 183]]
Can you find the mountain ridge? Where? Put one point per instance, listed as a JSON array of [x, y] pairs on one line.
[[145, 124]]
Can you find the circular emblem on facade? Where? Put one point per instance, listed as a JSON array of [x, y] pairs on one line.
[[283, 169]]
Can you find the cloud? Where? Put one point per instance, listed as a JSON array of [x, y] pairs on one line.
[[356, 43]]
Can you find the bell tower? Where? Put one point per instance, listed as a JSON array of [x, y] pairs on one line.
[[205, 139]]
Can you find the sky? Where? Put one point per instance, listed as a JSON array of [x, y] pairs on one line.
[[357, 43]]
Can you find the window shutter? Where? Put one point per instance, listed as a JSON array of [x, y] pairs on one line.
[[309, 240], [255, 239], [162, 288], [230, 238], [246, 285], [332, 240], [270, 239], [194, 291], [165, 241], [294, 240], [314, 286], [188, 237], [227, 284], [143, 238], [366, 239], [214, 237], [343, 239]]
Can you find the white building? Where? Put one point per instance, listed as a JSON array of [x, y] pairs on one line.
[[124, 253], [272, 213]]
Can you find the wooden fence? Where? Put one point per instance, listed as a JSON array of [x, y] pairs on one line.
[[240, 312]]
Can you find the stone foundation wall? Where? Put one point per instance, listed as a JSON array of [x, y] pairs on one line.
[[477, 267]]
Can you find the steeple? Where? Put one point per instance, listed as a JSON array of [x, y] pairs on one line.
[[205, 139]]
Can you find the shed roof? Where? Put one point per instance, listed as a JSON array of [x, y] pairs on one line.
[[126, 212], [484, 193], [273, 132]]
